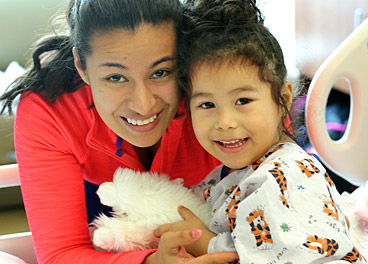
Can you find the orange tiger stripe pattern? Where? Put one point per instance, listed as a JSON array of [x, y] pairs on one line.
[[330, 207], [231, 209], [324, 246], [354, 256], [207, 193], [308, 168], [260, 229], [328, 179], [281, 181], [257, 163]]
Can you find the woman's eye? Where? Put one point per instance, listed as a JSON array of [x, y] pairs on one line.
[[207, 105], [243, 101], [116, 78], [161, 74]]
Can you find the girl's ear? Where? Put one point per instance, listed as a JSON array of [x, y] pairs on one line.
[[78, 65], [287, 93]]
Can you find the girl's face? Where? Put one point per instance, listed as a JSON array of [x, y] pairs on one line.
[[234, 116], [132, 81]]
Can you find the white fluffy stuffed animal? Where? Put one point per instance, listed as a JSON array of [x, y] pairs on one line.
[[142, 202]]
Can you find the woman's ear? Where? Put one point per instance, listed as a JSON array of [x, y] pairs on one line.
[[287, 93], [78, 65]]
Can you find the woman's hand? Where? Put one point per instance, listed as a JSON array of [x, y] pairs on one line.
[[190, 222], [171, 250]]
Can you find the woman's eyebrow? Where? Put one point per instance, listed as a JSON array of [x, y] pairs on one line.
[[123, 67], [164, 59], [113, 65]]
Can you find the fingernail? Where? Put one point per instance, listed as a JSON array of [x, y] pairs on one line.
[[180, 206], [196, 233]]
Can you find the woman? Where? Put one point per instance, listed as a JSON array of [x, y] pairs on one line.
[[103, 96]]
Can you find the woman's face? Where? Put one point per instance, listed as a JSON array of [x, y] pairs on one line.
[[131, 75]]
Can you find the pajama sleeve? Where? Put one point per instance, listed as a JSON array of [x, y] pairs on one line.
[[286, 211]]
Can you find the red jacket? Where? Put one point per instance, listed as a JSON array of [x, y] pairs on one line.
[[58, 145]]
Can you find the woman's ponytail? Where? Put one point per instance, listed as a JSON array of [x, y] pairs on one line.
[[52, 72]]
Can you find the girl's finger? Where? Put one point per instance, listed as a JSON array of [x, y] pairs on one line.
[[185, 213], [174, 241], [218, 258], [161, 230]]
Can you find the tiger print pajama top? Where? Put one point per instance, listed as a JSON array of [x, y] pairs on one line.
[[281, 209]]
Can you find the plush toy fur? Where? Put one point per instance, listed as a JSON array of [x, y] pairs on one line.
[[142, 202]]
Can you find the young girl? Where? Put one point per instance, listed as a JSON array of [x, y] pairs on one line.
[[272, 202], [103, 95]]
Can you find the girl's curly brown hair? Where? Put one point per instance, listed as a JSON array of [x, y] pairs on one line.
[[230, 29]]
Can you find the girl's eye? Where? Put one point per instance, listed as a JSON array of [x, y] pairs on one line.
[[207, 105], [243, 101], [161, 74], [116, 78]]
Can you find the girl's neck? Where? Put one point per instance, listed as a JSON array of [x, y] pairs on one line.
[[283, 139]]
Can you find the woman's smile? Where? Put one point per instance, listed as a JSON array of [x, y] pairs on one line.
[[138, 122], [144, 124], [134, 88]]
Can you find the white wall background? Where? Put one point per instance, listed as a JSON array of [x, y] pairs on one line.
[[280, 20], [22, 22]]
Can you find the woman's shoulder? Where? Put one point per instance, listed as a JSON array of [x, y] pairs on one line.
[[70, 114], [82, 98]]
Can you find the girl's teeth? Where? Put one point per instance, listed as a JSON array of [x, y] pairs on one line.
[[141, 122], [233, 143], [230, 142]]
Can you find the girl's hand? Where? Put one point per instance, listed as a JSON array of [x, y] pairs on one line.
[[171, 250], [190, 222]]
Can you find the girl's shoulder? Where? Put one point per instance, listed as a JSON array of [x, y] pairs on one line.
[[289, 156]]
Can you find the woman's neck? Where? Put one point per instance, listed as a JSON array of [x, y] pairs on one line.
[[147, 154]]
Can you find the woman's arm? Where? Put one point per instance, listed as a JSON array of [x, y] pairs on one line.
[[172, 250], [53, 189]]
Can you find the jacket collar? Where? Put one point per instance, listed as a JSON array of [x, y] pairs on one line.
[[100, 137]]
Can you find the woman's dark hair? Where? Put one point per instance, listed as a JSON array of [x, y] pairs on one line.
[[53, 73], [230, 29]]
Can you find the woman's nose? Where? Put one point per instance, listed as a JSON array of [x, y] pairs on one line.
[[225, 120], [142, 99]]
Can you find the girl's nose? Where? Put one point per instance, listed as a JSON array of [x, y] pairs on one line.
[[142, 99], [225, 121]]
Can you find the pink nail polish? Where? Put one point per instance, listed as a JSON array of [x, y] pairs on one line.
[[196, 233], [180, 206]]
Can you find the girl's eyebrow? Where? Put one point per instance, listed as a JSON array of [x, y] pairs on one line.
[[243, 89], [123, 67], [200, 94], [234, 91]]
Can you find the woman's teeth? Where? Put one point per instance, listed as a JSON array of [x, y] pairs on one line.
[[233, 143], [141, 122]]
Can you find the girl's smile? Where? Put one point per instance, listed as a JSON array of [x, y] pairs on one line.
[[233, 112], [232, 146]]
